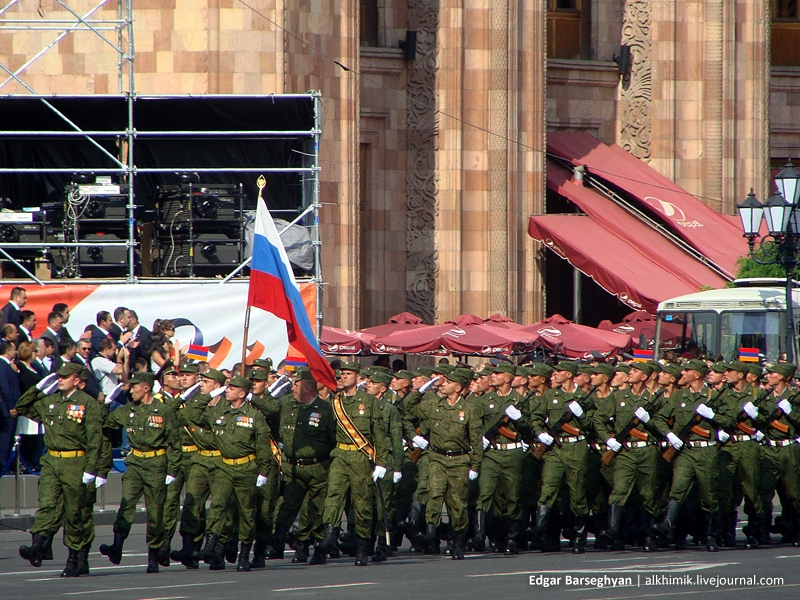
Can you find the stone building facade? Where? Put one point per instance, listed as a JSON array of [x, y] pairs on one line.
[[432, 163]]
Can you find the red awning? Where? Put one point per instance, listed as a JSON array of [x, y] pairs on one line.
[[621, 268], [707, 231], [640, 323], [343, 341], [578, 341]]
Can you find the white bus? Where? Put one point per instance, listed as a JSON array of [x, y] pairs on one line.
[[718, 323]]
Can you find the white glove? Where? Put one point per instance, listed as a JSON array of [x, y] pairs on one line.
[[642, 415], [473, 475], [44, 383], [99, 482], [674, 441], [485, 443], [277, 384], [87, 478], [785, 406], [723, 436], [261, 481], [750, 409], [757, 436], [420, 441], [613, 445], [704, 411], [156, 386], [219, 391], [396, 477], [524, 447], [546, 438], [113, 394], [513, 412], [427, 385], [169, 479], [575, 409], [52, 389], [378, 472], [186, 394]]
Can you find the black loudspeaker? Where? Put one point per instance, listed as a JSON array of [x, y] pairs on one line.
[[409, 45], [624, 62]]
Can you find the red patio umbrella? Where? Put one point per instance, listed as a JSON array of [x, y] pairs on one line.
[[558, 334], [402, 322], [641, 323], [344, 341]]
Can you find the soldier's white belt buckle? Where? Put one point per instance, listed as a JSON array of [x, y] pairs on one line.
[[569, 439]]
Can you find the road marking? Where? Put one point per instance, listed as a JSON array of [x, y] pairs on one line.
[[789, 556], [324, 587], [155, 587], [662, 568], [37, 572]]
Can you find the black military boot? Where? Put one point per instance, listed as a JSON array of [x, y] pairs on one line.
[[184, 555], [71, 569], [33, 553], [243, 564], [47, 549], [729, 520], [479, 541], [258, 561], [319, 557], [413, 523], [542, 519], [210, 547], [667, 527], [330, 538], [152, 560], [764, 537], [114, 551], [276, 547], [232, 549], [217, 561], [460, 542], [615, 512], [428, 539], [83, 560], [362, 545], [163, 554], [381, 551], [753, 527], [193, 562], [712, 530], [651, 541], [300, 554], [514, 528], [579, 541]]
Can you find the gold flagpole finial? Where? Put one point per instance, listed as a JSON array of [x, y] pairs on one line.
[[261, 182]]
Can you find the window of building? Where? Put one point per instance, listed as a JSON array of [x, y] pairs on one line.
[[368, 24], [569, 27], [785, 43]]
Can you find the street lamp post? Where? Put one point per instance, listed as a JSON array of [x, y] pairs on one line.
[[782, 215]]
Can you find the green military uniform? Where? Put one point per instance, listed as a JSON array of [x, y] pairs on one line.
[[351, 469], [155, 454], [532, 466], [566, 462], [698, 462], [74, 439], [242, 436]]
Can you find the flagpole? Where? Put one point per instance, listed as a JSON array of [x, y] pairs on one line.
[[261, 182]]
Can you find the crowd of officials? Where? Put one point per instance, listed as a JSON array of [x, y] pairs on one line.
[[522, 456]]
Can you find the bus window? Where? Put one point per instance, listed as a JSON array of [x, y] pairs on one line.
[[691, 334], [762, 330]]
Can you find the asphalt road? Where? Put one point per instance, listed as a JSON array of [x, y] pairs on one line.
[[406, 575]]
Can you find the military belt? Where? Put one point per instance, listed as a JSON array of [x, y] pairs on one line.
[[449, 453], [66, 453], [149, 453], [210, 453], [638, 444], [242, 460], [781, 443], [304, 462], [741, 437], [348, 447], [513, 446], [700, 444], [568, 439], [189, 448]]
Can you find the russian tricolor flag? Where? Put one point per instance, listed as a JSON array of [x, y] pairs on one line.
[[274, 289]]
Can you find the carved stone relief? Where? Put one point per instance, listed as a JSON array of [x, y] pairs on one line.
[[422, 266], [636, 91]]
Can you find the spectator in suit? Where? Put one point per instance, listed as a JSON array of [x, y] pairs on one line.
[[9, 333], [26, 326], [44, 356], [63, 309], [9, 394], [32, 444], [120, 326], [83, 352], [54, 323], [66, 352], [10, 312], [102, 331], [139, 344]]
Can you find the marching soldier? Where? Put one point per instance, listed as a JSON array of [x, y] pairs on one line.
[[361, 450], [242, 437], [701, 419], [73, 436], [456, 451], [151, 466]]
